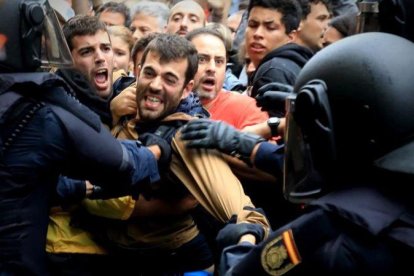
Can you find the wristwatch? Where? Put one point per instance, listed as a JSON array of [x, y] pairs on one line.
[[273, 123]]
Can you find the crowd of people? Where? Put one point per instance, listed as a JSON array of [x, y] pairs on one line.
[[261, 137]]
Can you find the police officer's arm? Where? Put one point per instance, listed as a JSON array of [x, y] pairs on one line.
[[263, 129], [251, 148], [73, 189], [291, 245], [204, 133], [119, 166]]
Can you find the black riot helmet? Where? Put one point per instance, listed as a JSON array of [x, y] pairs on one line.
[[352, 112], [32, 35]]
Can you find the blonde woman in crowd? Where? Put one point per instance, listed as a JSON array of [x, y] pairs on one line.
[[122, 42]]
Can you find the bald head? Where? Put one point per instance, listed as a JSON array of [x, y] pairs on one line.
[[185, 16]]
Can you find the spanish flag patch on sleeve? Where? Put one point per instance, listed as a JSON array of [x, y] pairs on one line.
[[280, 255]]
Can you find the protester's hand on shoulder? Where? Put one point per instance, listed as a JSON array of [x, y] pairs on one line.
[[124, 104]]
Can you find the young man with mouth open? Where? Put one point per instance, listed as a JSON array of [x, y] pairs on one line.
[[93, 56], [92, 53]]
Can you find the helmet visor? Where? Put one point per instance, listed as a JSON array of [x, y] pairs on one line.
[[301, 181], [55, 51]]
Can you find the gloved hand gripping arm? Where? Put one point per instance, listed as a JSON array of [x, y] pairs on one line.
[[204, 133]]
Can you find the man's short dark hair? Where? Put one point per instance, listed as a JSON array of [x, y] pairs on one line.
[[81, 25], [115, 7], [290, 10], [305, 5], [140, 46], [171, 47]]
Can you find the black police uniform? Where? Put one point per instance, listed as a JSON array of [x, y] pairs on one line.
[[46, 132], [359, 231]]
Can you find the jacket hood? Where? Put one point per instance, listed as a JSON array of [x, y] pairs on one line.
[[296, 53]]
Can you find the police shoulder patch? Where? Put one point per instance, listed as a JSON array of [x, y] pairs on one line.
[[280, 254]]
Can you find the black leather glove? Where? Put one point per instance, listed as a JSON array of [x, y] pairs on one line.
[[150, 139], [271, 98], [204, 133], [231, 234]]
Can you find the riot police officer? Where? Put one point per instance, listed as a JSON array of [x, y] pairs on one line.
[[348, 138], [44, 132]]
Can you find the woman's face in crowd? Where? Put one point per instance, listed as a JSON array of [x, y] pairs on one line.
[[122, 54]]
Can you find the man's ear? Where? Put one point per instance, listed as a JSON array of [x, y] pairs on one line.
[[130, 66], [293, 35], [301, 25], [137, 71], [187, 89]]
